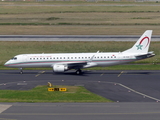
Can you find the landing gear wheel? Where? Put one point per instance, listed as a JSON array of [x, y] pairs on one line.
[[78, 72], [21, 70]]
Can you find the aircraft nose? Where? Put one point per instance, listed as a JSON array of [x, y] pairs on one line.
[[6, 64]]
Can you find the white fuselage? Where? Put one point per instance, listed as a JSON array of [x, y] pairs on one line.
[[48, 60]]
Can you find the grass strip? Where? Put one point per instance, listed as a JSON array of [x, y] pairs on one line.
[[24, 23], [130, 67], [153, 66], [41, 94], [78, 19], [77, 9]]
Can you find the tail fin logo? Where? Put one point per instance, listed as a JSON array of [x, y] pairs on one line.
[[139, 47]]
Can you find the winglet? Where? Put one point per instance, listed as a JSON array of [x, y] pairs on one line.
[[142, 45]]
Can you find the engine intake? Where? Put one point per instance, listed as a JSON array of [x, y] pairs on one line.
[[59, 68]]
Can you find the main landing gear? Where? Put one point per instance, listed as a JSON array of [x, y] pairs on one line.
[[79, 71], [21, 70]]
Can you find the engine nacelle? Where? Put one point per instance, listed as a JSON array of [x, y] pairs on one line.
[[59, 68]]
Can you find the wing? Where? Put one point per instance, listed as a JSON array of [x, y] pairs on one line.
[[78, 64]]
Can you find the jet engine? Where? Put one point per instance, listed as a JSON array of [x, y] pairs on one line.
[[60, 68]]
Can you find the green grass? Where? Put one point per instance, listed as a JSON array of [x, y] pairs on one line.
[[139, 66], [77, 9], [41, 94], [130, 67], [79, 20]]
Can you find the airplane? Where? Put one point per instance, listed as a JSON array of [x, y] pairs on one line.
[[61, 62]]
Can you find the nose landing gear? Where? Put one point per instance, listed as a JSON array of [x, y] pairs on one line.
[[21, 70]]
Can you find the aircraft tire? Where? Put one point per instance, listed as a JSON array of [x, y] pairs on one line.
[[78, 72]]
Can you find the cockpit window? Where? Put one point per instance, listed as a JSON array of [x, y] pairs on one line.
[[14, 58]]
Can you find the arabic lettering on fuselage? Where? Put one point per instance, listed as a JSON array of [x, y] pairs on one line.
[[40, 56]]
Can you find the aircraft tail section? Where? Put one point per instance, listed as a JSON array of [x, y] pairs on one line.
[[142, 45]]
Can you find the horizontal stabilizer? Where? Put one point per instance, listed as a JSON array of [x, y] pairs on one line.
[[144, 56]]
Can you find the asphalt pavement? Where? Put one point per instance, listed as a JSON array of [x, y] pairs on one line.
[[81, 111], [74, 37], [136, 95], [121, 86]]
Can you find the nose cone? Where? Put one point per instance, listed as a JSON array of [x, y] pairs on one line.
[[7, 64]]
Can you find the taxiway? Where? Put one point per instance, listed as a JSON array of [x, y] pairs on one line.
[[136, 95], [88, 38], [121, 86]]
